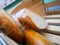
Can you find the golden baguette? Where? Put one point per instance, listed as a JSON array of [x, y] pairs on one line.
[[10, 27], [33, 38]]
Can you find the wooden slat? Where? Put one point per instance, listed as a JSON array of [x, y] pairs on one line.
[[52, 12], [52, 38], [56, 16], [53, 29], [25, 4], [55, 3], [53, 21]]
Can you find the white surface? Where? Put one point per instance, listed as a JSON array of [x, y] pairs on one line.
[[53, 28], [52, 16], [8, 40], [52, 38], [56, 21]]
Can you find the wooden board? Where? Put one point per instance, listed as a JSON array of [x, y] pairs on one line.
[[36, 7]]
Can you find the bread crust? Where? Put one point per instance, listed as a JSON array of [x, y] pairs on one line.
[[10, 27], [33, 38]]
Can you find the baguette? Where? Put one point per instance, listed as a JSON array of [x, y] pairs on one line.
[[52, 38], [31, 20], [33, 38], [53, 29], [5, 40], [10, 27]]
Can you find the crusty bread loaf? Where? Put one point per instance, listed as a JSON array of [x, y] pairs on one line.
[[33, 38], [53, 29], [10, 27], [31, 20], [52, 38]]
